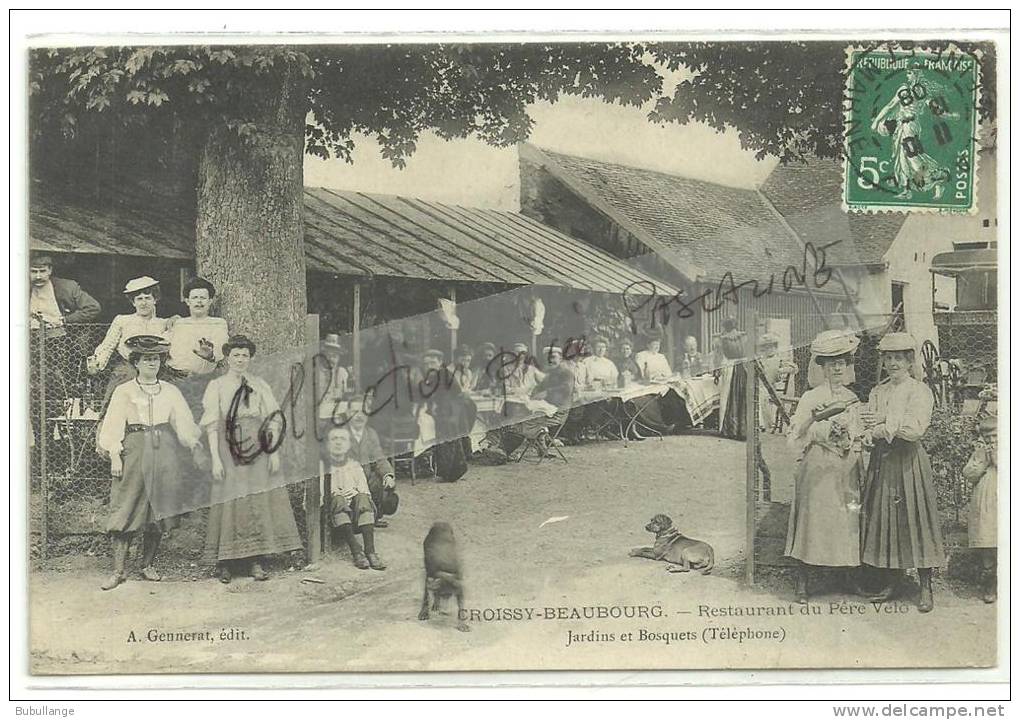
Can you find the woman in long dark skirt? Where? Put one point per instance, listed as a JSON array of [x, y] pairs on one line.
[[251, 516], [733, 395], [901, 523], [454, 414]]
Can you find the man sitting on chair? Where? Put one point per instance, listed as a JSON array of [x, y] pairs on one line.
[[557, 388], [367, 448]]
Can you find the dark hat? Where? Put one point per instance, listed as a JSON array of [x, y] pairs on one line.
[[147, 345], [390, 502], [39, 258]]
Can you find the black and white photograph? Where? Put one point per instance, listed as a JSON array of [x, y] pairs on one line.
[[442, 354]]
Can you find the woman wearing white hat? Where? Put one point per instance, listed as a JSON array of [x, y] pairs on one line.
[[901, 522], [143, 293], [825, 516]]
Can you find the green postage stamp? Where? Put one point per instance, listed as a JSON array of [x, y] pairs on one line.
[[910, 131]]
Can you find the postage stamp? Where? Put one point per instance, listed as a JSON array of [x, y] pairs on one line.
[[910, 130]]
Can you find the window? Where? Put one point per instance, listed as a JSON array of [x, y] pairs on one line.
[[899, 315]]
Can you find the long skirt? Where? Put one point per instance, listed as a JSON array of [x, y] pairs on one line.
[[901, 521], [142, 498], [254, 518], [982, 520], [732, 423], [825, 516]]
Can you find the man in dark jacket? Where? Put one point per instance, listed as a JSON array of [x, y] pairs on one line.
[[55, 302], [382, 480], [556, 388]]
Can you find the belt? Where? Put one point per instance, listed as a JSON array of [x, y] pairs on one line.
[[138, 427]]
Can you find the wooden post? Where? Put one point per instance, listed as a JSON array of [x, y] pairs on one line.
[[313, 511], [44, 480], [751, 451], [453, 331], [356, 337]]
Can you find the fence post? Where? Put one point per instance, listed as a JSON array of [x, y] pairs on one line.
[[313, 514], [44, 483], [751, 450]]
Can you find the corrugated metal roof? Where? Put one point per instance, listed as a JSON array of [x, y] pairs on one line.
[[353, 233], [108, 228]]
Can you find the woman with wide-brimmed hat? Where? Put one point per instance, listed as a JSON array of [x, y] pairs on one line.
[[145, 426], [824, 528], [251, 515], [901, 523]]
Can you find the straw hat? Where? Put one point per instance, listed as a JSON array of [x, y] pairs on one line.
[[832, 343], [332, 340], [147, 345], [138, 284], [897, 342]]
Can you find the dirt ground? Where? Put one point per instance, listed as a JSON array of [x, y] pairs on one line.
[[353, 620]]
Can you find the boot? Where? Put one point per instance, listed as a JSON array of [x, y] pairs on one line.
[[257, 571], [150, 544], [926, 602], [801, 592], [120, 545], [374, 561], [357, 554]]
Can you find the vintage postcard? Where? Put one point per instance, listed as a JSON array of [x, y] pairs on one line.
[[453, 355]]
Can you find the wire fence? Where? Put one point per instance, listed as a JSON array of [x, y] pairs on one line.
[[961, 372], [70, 481]]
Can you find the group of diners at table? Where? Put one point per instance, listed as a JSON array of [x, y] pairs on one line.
[[173, 382]]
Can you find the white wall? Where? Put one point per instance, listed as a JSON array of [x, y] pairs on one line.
[[924, 236]]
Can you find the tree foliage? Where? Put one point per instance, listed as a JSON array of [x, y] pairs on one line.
[[783, 98]]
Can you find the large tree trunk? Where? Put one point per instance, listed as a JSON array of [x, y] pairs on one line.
[[250, 229]]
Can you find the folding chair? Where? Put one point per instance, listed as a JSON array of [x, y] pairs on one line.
[[531, 443]]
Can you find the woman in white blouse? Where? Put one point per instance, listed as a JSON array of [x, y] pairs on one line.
[[251, 515], [901, 522], [826, 429], [143, 293], [145, 456]]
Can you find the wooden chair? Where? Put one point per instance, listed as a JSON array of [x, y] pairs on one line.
[[402, 454]]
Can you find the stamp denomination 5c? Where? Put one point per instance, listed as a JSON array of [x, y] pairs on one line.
[[910, 131]]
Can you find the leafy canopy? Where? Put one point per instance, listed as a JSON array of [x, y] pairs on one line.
[[783, 98]]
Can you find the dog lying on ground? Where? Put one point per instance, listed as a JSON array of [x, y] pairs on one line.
[[671, 546], [442, 573]]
